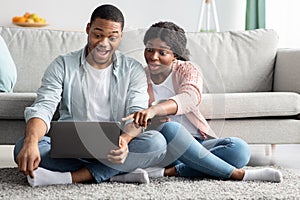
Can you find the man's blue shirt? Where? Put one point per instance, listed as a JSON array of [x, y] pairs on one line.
[[65, 82]]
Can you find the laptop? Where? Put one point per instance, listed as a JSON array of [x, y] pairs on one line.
[[71, 139]]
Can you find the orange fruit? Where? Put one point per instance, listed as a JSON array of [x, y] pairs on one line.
[[22, 19], [27, 15], [15, 19]]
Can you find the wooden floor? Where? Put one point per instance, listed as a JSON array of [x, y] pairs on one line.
[[283, 155]]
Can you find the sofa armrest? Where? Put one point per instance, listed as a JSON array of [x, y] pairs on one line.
[[287, 71], [12, 105]]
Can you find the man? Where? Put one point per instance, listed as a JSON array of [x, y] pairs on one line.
[[96, 83]]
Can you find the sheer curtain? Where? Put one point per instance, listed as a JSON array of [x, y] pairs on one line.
[[284, 17]]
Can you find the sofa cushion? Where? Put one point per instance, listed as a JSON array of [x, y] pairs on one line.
[[8, 72], [287, 71], [12, 105], [248, 105], [259, 131], [33, 50], [132, 44], [11, 131], [235, 61]]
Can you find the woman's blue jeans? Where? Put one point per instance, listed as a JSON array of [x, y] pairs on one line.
[[146, 150], [197, 158]]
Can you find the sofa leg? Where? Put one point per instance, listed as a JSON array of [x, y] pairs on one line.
[[268, 151]]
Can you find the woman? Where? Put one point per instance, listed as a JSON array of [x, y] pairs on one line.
[[176, 80]]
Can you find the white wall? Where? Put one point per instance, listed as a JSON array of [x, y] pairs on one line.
[[74, 14], [284, 17], [231, 14]]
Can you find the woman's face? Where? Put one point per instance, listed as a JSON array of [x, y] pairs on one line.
[[159, 56]]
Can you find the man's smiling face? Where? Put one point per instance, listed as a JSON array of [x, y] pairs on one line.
[[104, 37]]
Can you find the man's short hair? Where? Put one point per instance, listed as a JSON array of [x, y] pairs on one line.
[[108, 12]]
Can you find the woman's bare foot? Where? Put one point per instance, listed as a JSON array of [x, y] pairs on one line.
[[237, 174]]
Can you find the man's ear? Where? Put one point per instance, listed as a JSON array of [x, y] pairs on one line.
[[88, 27]]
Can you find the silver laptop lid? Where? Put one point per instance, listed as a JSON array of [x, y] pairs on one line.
[[71, 139]]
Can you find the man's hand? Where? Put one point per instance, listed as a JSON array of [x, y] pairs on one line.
[[119, 156], [28, 159]]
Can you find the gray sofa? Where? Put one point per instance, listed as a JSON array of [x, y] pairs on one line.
[[251, 88]]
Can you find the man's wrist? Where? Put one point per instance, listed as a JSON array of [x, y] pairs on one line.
[[31, 139], [126, 137]]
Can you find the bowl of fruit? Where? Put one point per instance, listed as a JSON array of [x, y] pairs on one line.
[[29, 20]]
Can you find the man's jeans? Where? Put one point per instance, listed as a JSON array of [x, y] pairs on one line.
[[146, 150], [197, 158]]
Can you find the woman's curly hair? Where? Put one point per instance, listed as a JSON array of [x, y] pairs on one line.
[[173, 35]]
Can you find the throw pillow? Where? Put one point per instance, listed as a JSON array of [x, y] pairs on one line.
[[235, 61], [8, 71]]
